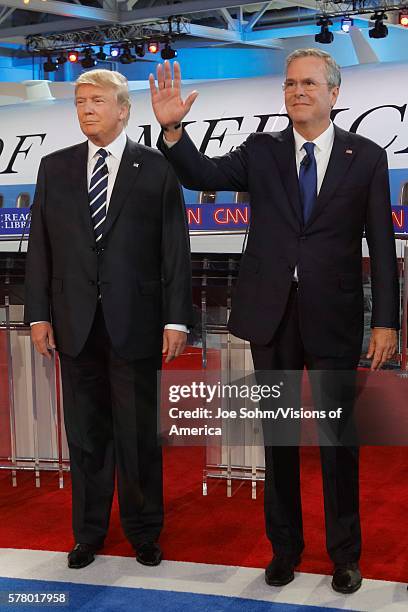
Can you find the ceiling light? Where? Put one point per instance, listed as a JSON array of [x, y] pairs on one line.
[[88, 61], [140, 49], [168, 53], [101, 55], [324, 37], [61, 59], [379, 30], [346, 24], [73, 57], [126, 56], [50, 65], [153, 47], [403, 18]]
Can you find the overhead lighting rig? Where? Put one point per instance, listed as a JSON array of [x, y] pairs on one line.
[[81, 46], [331, 10]]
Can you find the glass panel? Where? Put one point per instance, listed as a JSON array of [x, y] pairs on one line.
[[242, 197], [207, 197], [23, 200]]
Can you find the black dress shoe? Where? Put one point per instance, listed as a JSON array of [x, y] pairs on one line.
[[281, 571], [149, 553], [346, 578], [81, 555]]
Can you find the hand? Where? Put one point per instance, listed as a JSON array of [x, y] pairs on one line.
[[42, 336], [174, 343], [383, 345], [167, 103]]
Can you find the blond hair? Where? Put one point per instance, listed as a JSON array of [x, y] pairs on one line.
[[333, 74], [108, 78]]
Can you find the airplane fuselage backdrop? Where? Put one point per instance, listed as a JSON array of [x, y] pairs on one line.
[[373, 102]]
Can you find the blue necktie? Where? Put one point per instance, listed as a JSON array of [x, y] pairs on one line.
[[308, 181], [98, 188]]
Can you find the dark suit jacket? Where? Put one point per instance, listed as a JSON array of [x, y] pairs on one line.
[[141, 266], [354, 197]]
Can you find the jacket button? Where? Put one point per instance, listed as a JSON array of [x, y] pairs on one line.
[[91, 282]]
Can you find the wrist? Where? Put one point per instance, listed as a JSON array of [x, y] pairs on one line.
[[171, 128], [172, 133]]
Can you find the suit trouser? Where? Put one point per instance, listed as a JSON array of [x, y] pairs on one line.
[[110, 411], [340, 464]]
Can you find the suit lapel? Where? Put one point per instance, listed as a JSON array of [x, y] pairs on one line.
[[79, 173], [286, 161], [340, 160], [128, 172]]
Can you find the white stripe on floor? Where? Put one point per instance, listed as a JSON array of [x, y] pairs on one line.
[[306, 589]]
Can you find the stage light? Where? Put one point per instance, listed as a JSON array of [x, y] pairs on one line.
[[140, 49], [126, 56], [88, 61], [101, 56], [153, 47], [168, 53], [114, 51], [324, 37], [73, 57], [379, 30], [403, 19], [346, 24], [49, 65]]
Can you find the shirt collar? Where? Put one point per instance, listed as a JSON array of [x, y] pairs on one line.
[[323, 142], [115, 148]]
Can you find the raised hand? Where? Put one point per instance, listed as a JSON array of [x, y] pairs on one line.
[[168, 106]]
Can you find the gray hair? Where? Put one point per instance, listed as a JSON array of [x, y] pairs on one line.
[[108, 78], [333, 74]]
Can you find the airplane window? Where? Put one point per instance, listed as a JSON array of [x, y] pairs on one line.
[[242, 197], [207, 197], [23, 200], [403, 195]]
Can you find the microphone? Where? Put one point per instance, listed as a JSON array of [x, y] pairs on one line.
[[305, 163], [28, 219], [403, 196]]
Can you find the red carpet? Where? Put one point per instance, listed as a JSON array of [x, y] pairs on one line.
[[215, 529]]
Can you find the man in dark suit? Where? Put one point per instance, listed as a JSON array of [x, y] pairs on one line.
[[108, 283], [314, 189]]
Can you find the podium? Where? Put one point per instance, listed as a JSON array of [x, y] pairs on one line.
[[32, 433], [32, 436], [214, 278]]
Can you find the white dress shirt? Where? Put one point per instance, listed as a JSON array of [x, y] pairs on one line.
[[115, 150], [322, 151]]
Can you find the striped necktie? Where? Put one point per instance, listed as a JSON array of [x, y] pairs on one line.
[[97, 193], [308, 180]]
